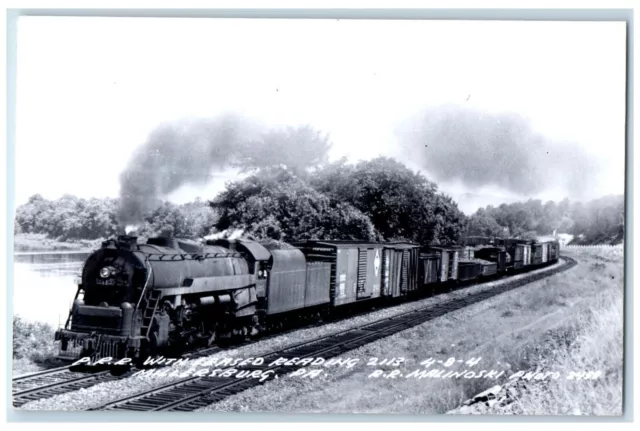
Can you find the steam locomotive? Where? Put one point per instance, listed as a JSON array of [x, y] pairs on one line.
[[135, 299]]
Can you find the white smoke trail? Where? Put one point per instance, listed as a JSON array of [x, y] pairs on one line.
[[230, 234], [131, 228]]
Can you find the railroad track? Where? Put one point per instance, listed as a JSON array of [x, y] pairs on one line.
[[56, 381], [195, 392]]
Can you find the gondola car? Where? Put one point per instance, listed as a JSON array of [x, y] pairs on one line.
[[469, 269], [497, 255]]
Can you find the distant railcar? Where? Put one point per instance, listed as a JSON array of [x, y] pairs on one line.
[[554, 251], [449, 257], [469, 270], [468, 252], [488, 268], [429, 268], [401, 269], [537, 253], [474, 241], [498, 255]]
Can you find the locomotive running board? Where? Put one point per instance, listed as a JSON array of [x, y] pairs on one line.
[[212, 284]]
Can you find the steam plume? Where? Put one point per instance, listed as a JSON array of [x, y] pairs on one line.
[[230, 234], [175, 154], [482, 149]]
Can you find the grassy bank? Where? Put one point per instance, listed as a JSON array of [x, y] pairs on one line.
[[26, 242], [33, 346], [592, 342], [511, 332]]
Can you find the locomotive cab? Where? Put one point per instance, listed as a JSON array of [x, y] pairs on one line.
[[257, 257]]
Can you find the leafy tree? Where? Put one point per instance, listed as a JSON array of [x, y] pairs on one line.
[[165, 220], [402, 205], [276, 203], [483, 224], [98, 219], [450, 220], [68, 218], [200, 218], [28, 216]]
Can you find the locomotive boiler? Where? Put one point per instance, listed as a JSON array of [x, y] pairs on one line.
[[165, 293]]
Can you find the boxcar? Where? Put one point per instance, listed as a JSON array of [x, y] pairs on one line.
[[536, 251], [525, 254], [518, 251], [401, 272], [550, 251], [429, 268], [518, 256], [362, 270], [449, 257], [545, 252], [468, 252], [355, 268], [554, 251]]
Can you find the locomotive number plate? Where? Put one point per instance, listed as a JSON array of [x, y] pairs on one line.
[[105, 282]]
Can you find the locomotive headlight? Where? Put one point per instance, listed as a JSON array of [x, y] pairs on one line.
[[105, 272]]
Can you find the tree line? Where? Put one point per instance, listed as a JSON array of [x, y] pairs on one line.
[[374, 200], [600, 221], [71, 218], [292, 192]]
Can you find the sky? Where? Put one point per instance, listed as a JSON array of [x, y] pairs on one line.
[[90, 90]]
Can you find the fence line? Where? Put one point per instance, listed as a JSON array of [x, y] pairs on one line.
[[594, 246]]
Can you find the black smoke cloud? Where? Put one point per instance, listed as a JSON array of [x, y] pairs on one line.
[[482, 149], [175, 154]]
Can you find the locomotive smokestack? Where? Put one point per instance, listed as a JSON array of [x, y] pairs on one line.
[[126, 241]]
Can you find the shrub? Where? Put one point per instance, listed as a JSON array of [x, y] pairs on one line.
[[33, 341]]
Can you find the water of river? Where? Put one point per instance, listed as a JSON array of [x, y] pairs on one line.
[[44, 285]]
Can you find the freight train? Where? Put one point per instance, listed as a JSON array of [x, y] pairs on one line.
[[139, 298]]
